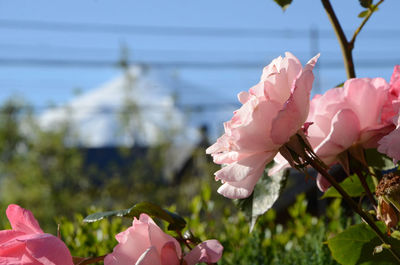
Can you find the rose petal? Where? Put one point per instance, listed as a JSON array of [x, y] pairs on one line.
[[22, 220], [133, 242], [294, 113], [149, 257], [48, 250], [168, 254], [240, 189], [209, 251], [240, 170], [322, 183], [390, 145], [366, 98], [345, 130], [157, 237], [280, 164]]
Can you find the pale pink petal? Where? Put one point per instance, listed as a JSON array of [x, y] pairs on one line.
[[345, 130], [241, 189], [279, 81], [209, 251], [221, 145], [311, 63], [366, 98], [292, 67], [241, 169], [168, 254], [280, 164], [158, 238], [372, 135], [272, 68], [390, 144], [133, 242], [319, 130], [253, 134], [294, 113], [22, 220], [149, 257], [48, 250], [229, 157]]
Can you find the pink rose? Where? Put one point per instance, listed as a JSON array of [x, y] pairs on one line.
[[145, 243], [27, 244], [347, 116], [272, 112], [355, 114]]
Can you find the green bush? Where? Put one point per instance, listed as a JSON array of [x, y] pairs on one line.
[[298, 241]]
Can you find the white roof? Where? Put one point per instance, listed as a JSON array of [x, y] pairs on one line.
[[144, 99]]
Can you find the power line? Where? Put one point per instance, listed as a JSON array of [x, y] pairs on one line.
[[66, 63], [154, 30], [176, 30], [135, 51]]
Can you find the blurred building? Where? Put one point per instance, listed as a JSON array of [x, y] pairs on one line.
[[140, 109]]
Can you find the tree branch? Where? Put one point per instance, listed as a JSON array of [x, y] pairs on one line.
[[344, 44]]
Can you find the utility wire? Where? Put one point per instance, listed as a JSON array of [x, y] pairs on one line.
[[177, 30], [65, 63], [154, 30]]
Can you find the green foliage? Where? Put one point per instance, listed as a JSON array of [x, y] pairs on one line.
[[266, 192], [37, 170], [90, 239], [364, 13], [175, 221], [297, 241], [370, 8], [283, 3], [359, 244], [352, 186], [378, 160]]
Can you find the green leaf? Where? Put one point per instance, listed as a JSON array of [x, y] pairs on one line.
[[378, 160], [365, 3], [364, 13], [356, 245], [395, 234], [283, 3], [373, 8], [352, 186], [266, 192], [175, 221]]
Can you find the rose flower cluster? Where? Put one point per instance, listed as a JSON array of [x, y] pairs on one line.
[[363, 113]]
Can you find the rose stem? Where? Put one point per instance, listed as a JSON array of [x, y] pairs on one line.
[[366, 188], [344, 44]]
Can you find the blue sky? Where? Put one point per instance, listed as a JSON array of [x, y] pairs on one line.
[[380, 41]]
